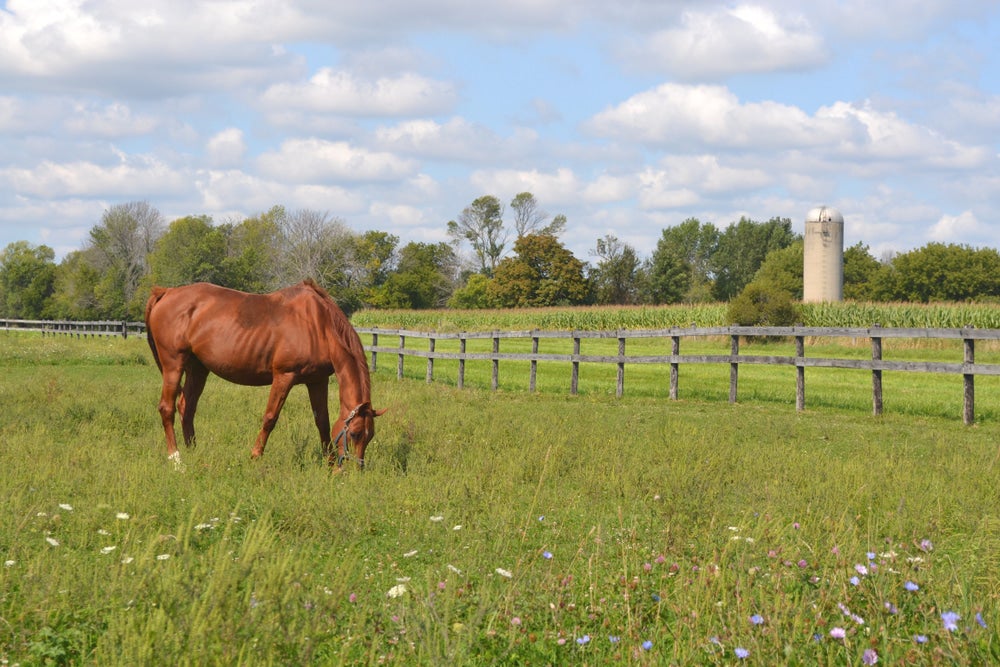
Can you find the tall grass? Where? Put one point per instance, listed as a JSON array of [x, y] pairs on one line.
[[845, 314], [489, 528]]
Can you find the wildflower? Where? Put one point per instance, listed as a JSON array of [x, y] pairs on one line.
[[583, 641], [204, 526], [53, 541], [661, 559], [396, 591], [979, 620], [757, 619], [871, 556], [647, 645], [101, 531], [614, 639], [442, 585], [122, 516], [547, 555], [352, 598], [891, 608], [437, 519], [925, 545], [127, 560], [504, 573], [838, 633], [9, 563], [803, 564], [835, 550], [870, 657], [107, 550], [715, 640], [515, 621], [163, 557], [647, 567], [796, 525], [458, 527], [454, 569], [861, 569], [741, 652], [561, 641], [910, 586], [950, 620], [409, 554], [541, 518], [920, 639], [66, 506], [854, 581]]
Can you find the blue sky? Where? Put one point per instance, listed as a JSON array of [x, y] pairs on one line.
[[626, 117]]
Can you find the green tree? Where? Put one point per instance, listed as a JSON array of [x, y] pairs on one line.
[[860, 269], [192, 250], [473, 295], [529, 218], [481, 225], [121, 245], [680, 266], [75, 293], [782, 268], [27, 278], [617, 275], [543, 273], [765, 305], [939, 272], [253, 248], [424, 279], [742, 249]]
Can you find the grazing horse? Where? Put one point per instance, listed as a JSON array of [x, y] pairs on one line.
[[297, 335]]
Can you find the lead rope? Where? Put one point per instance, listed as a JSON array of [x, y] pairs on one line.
[[344, 434]]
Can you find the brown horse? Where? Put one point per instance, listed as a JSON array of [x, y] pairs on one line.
[[297, 335]]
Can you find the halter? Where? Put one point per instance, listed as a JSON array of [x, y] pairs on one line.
[[345, 435]]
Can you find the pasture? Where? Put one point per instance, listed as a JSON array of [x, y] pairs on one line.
[[503, 527]]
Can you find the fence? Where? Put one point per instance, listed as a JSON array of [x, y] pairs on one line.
[[75, 328], [968, 368]]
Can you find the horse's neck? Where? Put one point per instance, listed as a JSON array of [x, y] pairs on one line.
[[352, 380]]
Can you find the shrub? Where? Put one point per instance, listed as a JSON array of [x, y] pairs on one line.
[[763, 304]]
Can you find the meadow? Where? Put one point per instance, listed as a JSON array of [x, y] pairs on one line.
[[493, 527]]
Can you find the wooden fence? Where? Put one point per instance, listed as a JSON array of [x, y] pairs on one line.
[[876, 365], [75, 328]]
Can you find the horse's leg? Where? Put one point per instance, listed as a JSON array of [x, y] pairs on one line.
[[319, 393], [280, 386], [168, 406], [195, 375]]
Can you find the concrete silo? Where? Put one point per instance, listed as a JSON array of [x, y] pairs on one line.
[[823, 256]]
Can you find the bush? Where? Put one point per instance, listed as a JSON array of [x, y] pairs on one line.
[[765, 305]]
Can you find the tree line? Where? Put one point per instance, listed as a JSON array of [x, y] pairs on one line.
[[499, 255]]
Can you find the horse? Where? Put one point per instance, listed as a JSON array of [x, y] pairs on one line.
[[296, 335]]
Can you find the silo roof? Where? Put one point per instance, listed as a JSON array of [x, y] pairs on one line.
[[824, 214]]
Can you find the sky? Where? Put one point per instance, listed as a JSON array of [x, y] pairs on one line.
[[627, 117]]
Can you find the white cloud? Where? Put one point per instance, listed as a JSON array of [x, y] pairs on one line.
[[227, 147], [744, 38], [340, 92], [111, 121], [558, 187], [317, 161], [950, 228], [234, 190], [141, 177]]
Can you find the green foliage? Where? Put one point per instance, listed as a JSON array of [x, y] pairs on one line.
[[474, 294], [680, 269], [191, 250], [763, 304], [543, 273], [618, 276], [860, 269], [742, 248], [939, 272], [782, 269], [481, 225], [27, 278], [423, 279]]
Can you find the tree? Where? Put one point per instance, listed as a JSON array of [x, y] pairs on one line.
[[481, 225], [860, 269], [543, 273], [763, 304], [424, 279], [192, 250], [75, 291], [939, 272], [782, 269], [616, 277], [122, 243], [680, 267], [27, 277], [253, 252], [529, 218], [742, 249], [474, 294]]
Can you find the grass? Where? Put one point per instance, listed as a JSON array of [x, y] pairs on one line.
[[489, 528]]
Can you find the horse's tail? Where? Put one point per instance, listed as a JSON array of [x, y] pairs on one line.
[[154, 297]]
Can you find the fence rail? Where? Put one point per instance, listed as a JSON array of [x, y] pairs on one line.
[[76, 328], [876, 365]]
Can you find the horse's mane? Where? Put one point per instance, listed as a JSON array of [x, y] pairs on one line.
[[344, 332]]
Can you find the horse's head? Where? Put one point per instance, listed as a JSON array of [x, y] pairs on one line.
[[351, 434]]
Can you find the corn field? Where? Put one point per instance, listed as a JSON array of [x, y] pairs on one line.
[[600, 318]]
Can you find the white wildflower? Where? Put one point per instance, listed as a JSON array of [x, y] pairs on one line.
[[458, 527], [454, 569], [127, 560], [396, 591], [437, 519], [504, 573], [101, 531], [163, 557], [410, 554], [53, 541], [107, 550], [9, 563], [66, 506], [122, 516]]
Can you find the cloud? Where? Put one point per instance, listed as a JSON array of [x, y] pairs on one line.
[[340, 92], [140, 177], [112, 121], [235, 190], [456, 139], [318, 161], [712, 44], [965, 225], [227, 147], [558, 187]]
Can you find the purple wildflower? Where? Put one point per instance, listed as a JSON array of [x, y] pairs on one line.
[[614, 639], [870, 657], [583, 641], [757, 619], [979, 620], [546, 555], [910, 586], [891, 608], [925, 545], [855, 581], [950, 620], [741, 653], [838, 633], [920, 639], [647, 645], [861, 569]]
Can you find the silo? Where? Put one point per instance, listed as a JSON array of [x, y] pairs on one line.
[[823, 256]]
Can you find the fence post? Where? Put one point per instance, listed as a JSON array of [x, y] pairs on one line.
[[675, 351], [496, 360], [876, 373], [574, 380], [399, 362], [534, 362], [969, 380], [124, 329], [374, 353], [800, 374], [734, 367], [621, 366], [430, 360], [461, 360]]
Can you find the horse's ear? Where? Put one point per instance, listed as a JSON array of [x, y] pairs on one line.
[[379, 413]]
